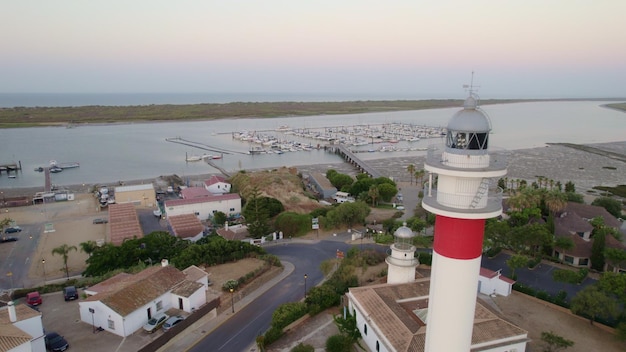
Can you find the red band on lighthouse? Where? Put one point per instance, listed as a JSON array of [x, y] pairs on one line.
[[459, 238]]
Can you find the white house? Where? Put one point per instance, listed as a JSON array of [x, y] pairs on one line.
[[123, 304], [493, 282], [392, 317], [21, 329], [205, 207], [217, 185]]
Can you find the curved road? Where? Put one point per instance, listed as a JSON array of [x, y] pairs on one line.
[[240, 331]]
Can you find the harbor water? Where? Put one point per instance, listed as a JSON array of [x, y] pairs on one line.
[[109, 153]]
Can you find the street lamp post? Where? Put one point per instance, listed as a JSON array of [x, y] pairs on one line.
[[232, 300], [93, 324], [305, 277], [43, 265]]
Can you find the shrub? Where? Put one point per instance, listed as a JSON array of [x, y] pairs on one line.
[[338, 343], [230, 284], [287, 313], [425, 258]]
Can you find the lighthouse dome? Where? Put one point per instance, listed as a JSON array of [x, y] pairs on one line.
[[468, 128], [404, 232]]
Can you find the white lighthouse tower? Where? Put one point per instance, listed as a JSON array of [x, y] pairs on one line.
[[401, 263], [462, 199]]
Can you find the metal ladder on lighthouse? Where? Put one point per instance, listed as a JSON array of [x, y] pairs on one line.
[[483, 189]]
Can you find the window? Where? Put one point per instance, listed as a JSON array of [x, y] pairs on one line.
[[569, 259], [232, 210], [111, 324], [583, 261], [159, 305], [365, 329], [377, 347]]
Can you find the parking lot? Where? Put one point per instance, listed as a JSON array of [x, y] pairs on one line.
[[63, 318]]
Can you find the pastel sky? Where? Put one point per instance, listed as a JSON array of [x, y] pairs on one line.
[[517, 49]]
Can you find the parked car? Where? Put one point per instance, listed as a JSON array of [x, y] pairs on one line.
[[55, 342], [70, 293], [33, 298], [8, 239], [156, 322], [13, 229], [100, 221], [172, 321]]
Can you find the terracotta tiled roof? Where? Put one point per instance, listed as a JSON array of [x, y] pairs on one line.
[[194, 273], [392, 310], [110, 284], [194, 192], [124, 223], [185, 225], [215, 179], [186, 288], [134, 292], [589, 212], [10, 335]]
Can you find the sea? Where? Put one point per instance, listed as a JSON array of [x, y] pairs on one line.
[[121, 152]]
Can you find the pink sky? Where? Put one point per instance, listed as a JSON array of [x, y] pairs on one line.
[[559, 48]]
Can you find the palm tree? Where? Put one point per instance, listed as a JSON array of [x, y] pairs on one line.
[[420, 174], [411, 170], [64, 250], [88, 247], [555, 201], [373, 193]]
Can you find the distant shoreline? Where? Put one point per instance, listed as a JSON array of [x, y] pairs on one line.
[[21, 117]]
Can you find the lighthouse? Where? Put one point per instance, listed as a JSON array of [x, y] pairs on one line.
[[401, 263], [460, 193]]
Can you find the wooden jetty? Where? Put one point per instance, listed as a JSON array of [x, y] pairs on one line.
[[349, 157]]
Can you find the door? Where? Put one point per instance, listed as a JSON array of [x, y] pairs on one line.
[[180, 303]]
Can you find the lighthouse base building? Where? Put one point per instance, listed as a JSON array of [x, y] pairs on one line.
[[392, 317]]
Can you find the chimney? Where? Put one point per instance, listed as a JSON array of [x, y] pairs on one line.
[[226, 225], [12, 314], [164, 262]]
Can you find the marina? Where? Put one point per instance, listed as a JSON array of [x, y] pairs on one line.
[[146, 150]]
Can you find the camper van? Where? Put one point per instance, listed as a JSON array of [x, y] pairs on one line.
[[342, 197]]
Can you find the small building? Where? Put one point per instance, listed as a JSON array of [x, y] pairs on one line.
[[321, 185], [205, 207], [194, 192], [186, 226], [21, 329], [393, 317], [493, 282], [138, 195], [123, 223], [125, 304], [217, 185]]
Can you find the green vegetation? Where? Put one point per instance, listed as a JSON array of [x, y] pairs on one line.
[[42, 116], [553, 342]]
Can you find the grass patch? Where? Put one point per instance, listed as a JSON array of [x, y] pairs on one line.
[[619, 190]]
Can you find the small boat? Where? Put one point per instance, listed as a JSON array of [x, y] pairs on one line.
[[12, 176], [55, 169], [193, 158]]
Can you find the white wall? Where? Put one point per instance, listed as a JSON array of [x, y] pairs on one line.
[[206, 210]]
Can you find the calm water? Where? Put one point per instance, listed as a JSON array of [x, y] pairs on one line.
[[111, 153]]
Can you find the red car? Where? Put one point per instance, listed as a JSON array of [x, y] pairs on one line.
[[33, 298]]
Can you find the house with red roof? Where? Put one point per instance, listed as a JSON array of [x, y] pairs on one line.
[[186, 226], [217, 185], [574, 223]]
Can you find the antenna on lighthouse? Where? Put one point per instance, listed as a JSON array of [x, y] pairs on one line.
[[471, 89]]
